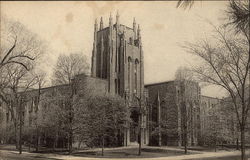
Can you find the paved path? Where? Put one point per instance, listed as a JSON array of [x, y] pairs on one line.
[[180, 157]]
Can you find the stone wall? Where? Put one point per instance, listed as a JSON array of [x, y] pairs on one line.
[[177, 105]]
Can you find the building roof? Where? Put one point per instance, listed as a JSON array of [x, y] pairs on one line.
[[158, 83], [210, 97]]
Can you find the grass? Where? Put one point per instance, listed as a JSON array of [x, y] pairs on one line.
[[130, 153], [114, 153], [16, 156], [219, 158]]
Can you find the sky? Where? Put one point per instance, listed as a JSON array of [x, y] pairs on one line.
[[68, 27]]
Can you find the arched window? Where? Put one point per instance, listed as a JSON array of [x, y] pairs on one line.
[[129, 71], [136, 70]]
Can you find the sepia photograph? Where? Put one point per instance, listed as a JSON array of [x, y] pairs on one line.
[[125, 80]]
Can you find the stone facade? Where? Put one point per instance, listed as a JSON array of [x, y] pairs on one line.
[[32, 108], [117, 57], [164, 112], [207, 105], [174, 105], [117, 68]]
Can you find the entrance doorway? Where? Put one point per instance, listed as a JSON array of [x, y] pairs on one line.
[[134, 129]]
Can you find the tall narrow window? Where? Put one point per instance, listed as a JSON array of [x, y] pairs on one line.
[[129, 71], [7, 116], [136, 69], [116, 86]]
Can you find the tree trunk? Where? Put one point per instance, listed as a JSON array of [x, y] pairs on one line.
[[185, 136], [215, 149], [70, 141], [185, 143], [20, 130], [185, 117], [79, 144], [102, 145], [30, 141], [16, 137], [55, 142], [139, 139], [243, 154], [237, 145], [37, 140], [54, 145], [20, 138], [159, 136]]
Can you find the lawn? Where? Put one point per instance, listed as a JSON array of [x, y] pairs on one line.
[[129, 153], [114, 153], [219, 158], [16, 156]]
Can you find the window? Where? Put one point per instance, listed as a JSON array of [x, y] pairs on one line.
[[36, 103], [178, 95], [32, 105], [7, 117], [136, 67], [116, 88], [129, 71], [30, 121]]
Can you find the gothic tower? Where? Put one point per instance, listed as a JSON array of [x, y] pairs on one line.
[[118, 57]]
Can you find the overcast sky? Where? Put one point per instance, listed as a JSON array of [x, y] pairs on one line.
[[68, 28]]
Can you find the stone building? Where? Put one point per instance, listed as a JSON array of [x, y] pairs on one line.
[[174, 106], [177, 108], [117, 57], [208, 106], [33, 103], [164, 112], [117, 68]]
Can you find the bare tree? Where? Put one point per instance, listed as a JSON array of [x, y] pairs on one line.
[[103, 118], [20, 50], [182, 76], [226, 64], [66, 69], [18, 45], [19, 81], [184, 73], [68, 66], [238, 15], [40, 79]]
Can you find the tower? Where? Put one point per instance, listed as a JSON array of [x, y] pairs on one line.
[[118, 58]]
